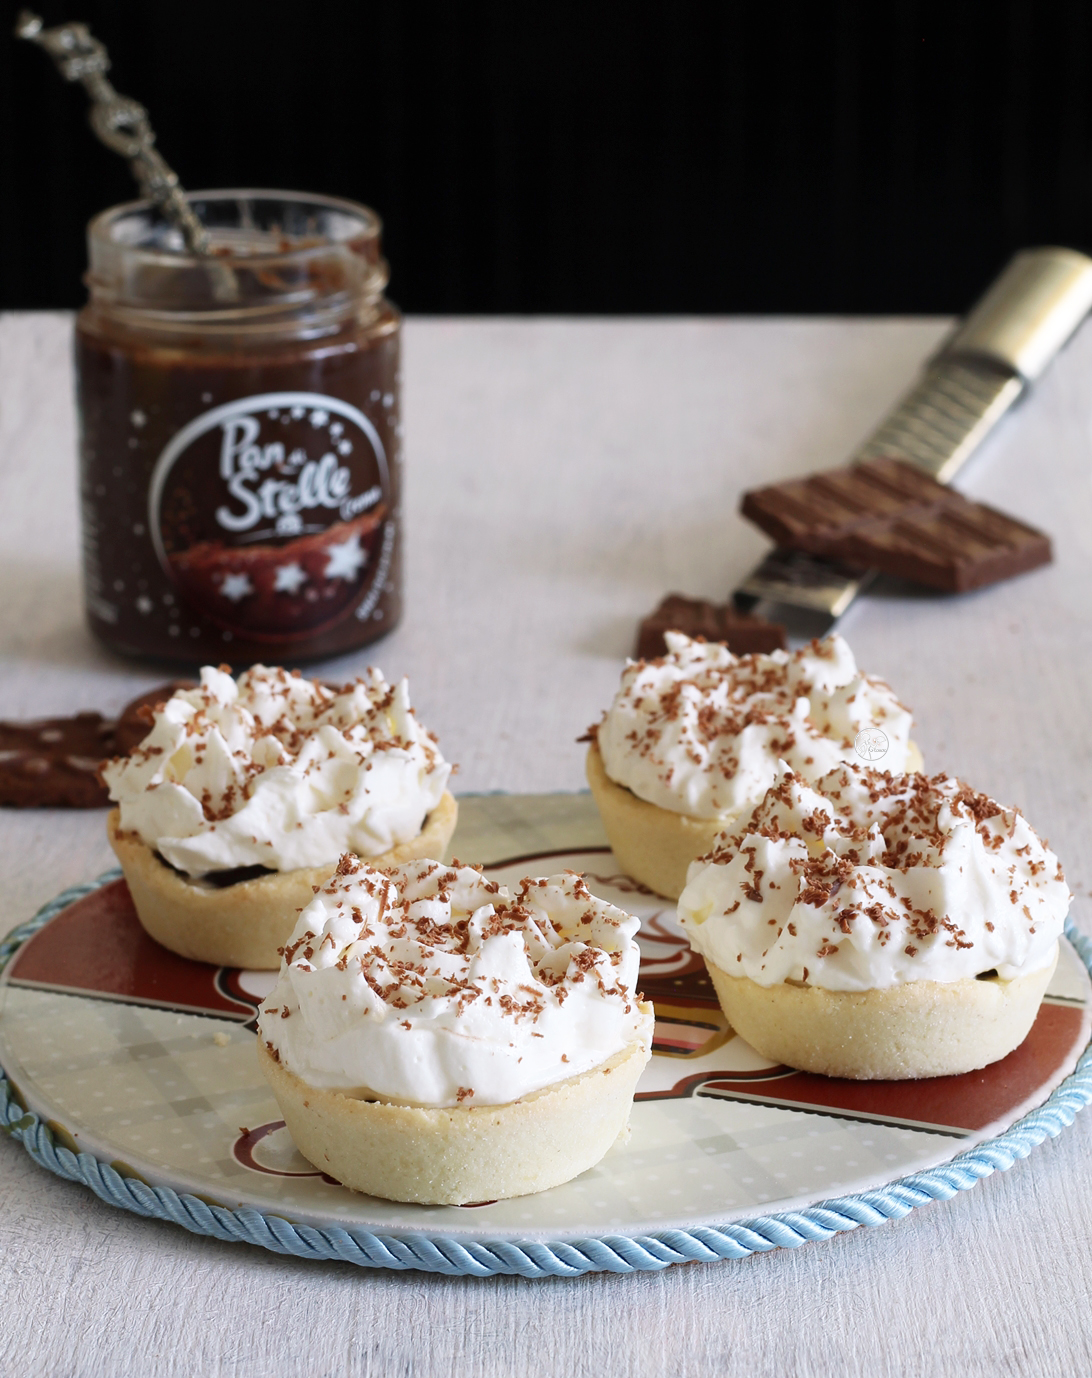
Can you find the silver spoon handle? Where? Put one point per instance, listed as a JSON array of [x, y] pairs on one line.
[[122, 124]]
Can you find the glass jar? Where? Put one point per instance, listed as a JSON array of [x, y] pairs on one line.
[[240, 447]]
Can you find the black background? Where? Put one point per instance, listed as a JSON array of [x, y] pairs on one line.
[[579, 156]]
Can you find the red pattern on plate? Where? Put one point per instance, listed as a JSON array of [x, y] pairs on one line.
[[965, 1103], [96, 947]]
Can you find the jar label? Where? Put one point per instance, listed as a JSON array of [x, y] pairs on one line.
[[272, 514]]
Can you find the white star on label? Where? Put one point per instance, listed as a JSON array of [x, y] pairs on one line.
[[289, 578], [345, 559], [138, 418], [319, 417], [144, 604], [344, 447], [236, 586], [297, 413], [336, 428]]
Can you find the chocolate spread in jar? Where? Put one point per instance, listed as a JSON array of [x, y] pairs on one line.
[[241, 484]]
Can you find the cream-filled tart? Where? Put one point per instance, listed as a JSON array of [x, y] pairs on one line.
[[244, 794], [879, 926], [434, 1038], [694, 739]]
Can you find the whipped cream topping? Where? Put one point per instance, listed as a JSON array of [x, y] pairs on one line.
[[430, 985], [278, 771], [867, 880], [700, 731]]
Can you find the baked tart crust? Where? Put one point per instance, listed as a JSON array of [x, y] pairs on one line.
[[454, 1155], [915, 1029], [245, 924]]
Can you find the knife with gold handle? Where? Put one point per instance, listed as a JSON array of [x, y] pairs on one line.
[[990, 360]]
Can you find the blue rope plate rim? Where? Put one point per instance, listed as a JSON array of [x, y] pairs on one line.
[[537, 1259]]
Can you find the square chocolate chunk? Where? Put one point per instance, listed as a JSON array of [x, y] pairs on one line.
[[716, 622], [888, 515]]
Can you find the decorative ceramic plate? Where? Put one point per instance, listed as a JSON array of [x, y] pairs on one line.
[[134, 1070]]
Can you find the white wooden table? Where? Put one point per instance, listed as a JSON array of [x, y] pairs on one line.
[[562, 476]]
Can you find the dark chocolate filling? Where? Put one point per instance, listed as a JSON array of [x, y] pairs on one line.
[[221, 879], [990, 975]]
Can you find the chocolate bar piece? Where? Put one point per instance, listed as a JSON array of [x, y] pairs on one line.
[[694, 616], [888, 515], [53, 763]]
